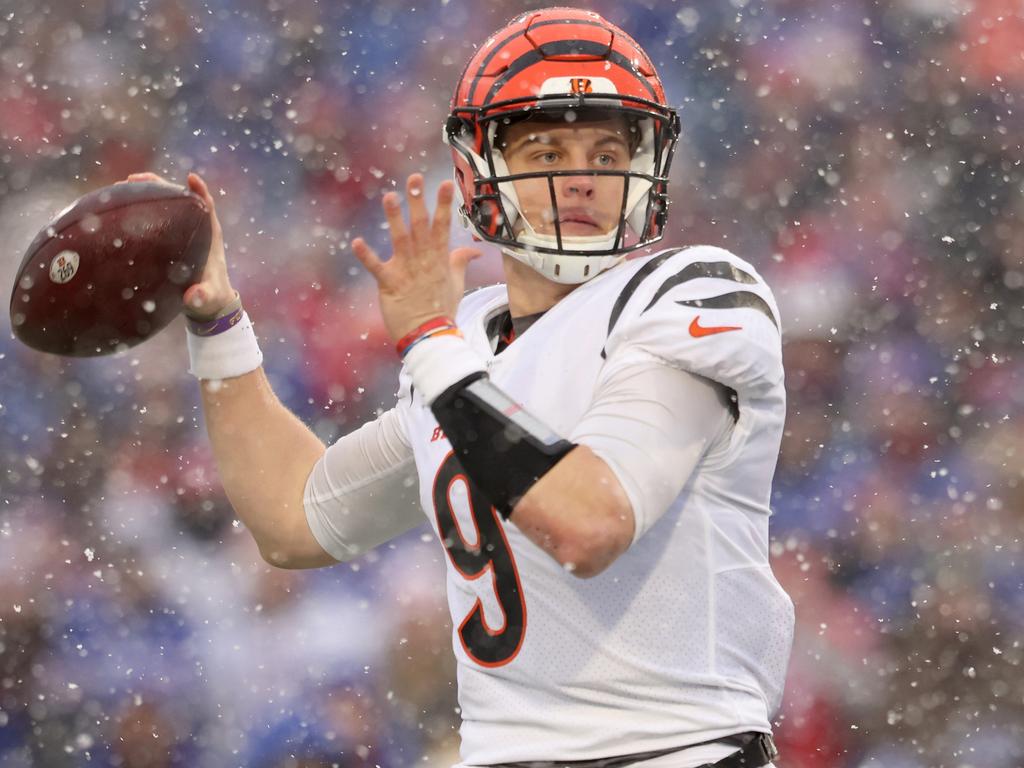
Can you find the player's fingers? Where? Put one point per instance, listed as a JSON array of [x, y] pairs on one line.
[[367, 257], [442, 224], [148, 176], [198, 185], [419, 217], [400, 239]]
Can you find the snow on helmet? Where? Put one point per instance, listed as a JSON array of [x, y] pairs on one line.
[[560, 64]]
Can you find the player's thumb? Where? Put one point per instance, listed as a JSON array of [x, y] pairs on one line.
[[201, 302], [460, 257], [195, 299]]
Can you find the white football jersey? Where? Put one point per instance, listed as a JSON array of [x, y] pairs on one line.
[[685, 638]]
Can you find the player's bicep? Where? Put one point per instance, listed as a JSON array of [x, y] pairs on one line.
[[653, 424], [364, 490]]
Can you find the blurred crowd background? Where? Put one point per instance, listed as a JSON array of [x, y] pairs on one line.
[[866, 157]]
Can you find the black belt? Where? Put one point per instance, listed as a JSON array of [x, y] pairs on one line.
[[756, 750], [759, 750]]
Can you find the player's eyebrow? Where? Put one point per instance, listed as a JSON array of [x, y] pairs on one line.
[[617, 138], [553, 141]]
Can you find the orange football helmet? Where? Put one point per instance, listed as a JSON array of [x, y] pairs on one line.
[[571, 64]]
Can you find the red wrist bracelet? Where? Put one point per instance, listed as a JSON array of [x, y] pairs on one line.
[[431, 326]]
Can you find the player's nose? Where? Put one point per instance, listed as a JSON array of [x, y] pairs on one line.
[[580, 187]]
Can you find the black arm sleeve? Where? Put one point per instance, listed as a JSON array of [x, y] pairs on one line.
[[503, 448]]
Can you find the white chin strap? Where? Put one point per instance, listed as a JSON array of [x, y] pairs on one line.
[[572, 268], [561, 268]]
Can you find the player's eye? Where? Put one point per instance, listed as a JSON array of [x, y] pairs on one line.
[[613, 156], [548, 158]]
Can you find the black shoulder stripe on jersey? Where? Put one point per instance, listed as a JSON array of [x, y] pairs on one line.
[[732, 301], [634, 282], [720, 269]]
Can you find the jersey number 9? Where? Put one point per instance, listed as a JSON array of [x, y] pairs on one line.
[[489, 554]]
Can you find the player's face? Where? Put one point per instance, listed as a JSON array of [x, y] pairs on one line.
[[587, 205]]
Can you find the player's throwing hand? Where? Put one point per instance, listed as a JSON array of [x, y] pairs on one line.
[[213, 292], [423, 279]]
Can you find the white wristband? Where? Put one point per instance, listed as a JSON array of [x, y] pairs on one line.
[[437, 362], [226, 355]]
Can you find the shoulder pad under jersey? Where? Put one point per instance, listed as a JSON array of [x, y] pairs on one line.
[[475, 300], [705, 310]]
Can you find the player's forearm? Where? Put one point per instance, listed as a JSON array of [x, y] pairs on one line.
[[264, 455], [563, 496], [578, 513]]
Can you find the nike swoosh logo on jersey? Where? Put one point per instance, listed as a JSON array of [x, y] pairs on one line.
[[697, 330]]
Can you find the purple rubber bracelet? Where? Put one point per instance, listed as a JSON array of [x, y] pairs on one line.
[[213, 327]]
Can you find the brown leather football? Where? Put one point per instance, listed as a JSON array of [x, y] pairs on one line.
[[110, 270]]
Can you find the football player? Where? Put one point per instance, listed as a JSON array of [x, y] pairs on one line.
[[593, 441]]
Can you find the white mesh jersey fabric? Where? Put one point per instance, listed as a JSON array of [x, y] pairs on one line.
[[685, 638]]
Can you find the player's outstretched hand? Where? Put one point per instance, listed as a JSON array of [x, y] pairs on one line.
[[422, 279], [213, 292]]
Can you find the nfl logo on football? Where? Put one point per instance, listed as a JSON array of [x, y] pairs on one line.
[[64, 266]]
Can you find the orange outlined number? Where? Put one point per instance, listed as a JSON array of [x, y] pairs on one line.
[[490, 554]]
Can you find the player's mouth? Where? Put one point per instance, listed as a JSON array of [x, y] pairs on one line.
[[577, 221]]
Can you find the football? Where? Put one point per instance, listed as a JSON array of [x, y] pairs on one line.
[[110, 270]]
